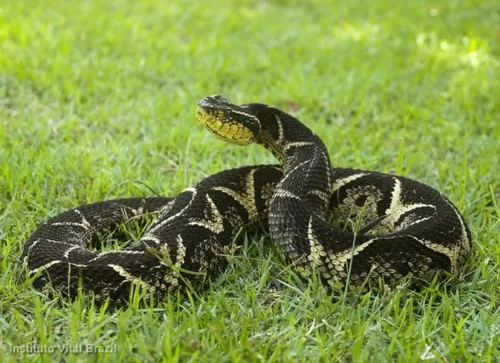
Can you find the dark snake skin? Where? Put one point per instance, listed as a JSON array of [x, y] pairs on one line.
[[406, 228]]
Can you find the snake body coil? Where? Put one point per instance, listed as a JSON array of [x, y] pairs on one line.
[[406, 228]]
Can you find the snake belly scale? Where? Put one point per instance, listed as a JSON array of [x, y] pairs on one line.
[[406, 228]]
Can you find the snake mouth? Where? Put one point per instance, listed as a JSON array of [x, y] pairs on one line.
[[221, 121]]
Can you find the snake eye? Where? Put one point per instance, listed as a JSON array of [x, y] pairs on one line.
[[227, 113]]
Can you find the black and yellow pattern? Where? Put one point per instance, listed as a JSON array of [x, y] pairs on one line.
[[407, 228], [192, 232]]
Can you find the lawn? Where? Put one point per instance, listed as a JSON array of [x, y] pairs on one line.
[[97, 101]]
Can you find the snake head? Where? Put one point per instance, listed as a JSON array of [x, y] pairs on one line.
[[232, 123]]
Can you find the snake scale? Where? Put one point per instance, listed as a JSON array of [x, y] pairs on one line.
[[404, 228]]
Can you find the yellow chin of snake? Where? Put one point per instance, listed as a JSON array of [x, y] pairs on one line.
[[227, 130]]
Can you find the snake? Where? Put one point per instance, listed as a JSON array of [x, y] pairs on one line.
[[351, 228]]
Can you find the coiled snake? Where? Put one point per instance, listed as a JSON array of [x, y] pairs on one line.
[[407, 228]]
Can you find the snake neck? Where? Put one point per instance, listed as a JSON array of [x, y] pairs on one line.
[[304, 157]]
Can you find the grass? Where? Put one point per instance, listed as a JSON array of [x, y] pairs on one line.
[[97, 101]]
